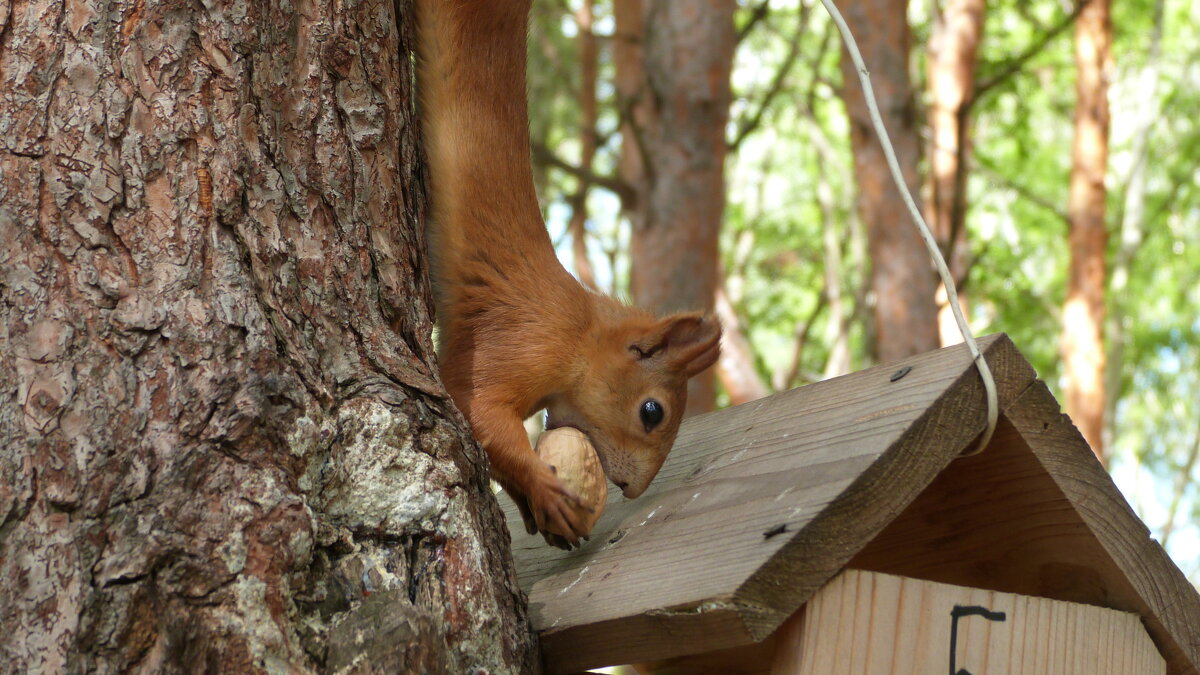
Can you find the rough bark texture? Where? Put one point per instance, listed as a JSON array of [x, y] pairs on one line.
[[673, 63], [1083, 315], [901, 275], [1132, 230], [952, 49], [223, 446]]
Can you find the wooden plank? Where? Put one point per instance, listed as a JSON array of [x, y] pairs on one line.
[[690, 567], [996, 520], [866, 623], [1168, 603], [1036, 514]]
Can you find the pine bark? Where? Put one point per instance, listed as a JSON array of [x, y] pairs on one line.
[[673, 65], [952, 59], [223, 445], [902, 279], [1083, 314]]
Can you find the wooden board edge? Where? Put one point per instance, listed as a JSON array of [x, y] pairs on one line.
[[714, 625], [819, 551], [1170, 605]]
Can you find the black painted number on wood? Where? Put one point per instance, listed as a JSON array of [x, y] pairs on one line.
[[957, 613]]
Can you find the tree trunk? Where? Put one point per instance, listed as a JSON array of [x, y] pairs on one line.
[[223, 446], [901, 275], [673, 66], [589, 65], [952, 49], [1083, 314], [735, 367]]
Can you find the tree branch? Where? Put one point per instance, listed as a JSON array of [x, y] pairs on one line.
[[735, 367], [810, 98], [756, 15], [1022, 191], [1014, 65], [748, 126], [627, 119], [1182, 480], [623, 190], [787, 378]]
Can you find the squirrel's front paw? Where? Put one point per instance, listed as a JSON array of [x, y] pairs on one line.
[[558, 513]]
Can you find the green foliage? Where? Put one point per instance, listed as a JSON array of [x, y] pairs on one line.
[[789, 180], [1018, 190], [790, 183]]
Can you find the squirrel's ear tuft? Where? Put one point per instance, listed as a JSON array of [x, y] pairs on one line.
[[687, 342]]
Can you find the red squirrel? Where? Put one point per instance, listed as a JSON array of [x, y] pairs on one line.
[[518, 333]]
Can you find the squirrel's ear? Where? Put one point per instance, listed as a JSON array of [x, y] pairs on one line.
[[686, 342]]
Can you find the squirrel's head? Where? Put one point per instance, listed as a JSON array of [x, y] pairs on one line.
[[633, 389]]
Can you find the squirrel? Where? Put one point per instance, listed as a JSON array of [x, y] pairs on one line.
[[518, 333]]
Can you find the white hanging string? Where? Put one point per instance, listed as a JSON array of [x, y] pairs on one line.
[[989, 384]]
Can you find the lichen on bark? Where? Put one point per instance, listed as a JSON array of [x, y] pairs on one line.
[[222, 437]]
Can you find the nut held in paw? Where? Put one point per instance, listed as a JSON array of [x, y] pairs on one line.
[[573, 457]]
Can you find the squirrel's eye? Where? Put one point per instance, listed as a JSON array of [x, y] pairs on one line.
[[651, 413]]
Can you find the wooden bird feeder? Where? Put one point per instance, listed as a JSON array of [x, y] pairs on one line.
[[835, 529]]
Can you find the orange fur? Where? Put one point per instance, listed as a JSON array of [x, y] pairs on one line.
[[518, 333]]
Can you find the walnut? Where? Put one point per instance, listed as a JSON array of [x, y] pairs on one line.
[[574, 459]]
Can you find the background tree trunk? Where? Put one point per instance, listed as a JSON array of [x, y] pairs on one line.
[[901, 275], [673, 64], [952, 50], [1083, 314], [735, 367], [589, 65], [223, 445]]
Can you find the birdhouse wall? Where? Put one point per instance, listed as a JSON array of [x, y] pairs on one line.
[[865, 623]]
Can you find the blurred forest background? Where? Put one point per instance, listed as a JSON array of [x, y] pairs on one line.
[[714, 154]]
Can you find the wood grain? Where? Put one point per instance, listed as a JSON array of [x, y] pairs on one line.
[[756, 509], [865, 623], [1154, 587], [1034, 514], [1037, 514]]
